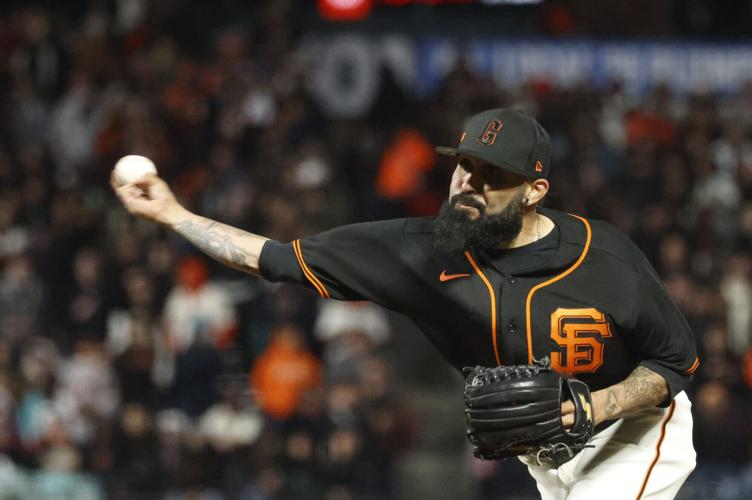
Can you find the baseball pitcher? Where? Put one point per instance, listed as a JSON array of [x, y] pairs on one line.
[[575, 357]]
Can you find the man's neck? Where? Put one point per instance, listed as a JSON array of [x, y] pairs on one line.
[[534, 227]]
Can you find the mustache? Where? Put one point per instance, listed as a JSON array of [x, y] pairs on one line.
[[467, 199]]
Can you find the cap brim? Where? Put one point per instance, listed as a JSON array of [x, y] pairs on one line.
[[444, 150]]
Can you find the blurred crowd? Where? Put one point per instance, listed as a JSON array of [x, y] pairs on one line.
[[133, 367]]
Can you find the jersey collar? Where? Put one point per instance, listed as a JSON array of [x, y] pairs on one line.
[[572, 239]]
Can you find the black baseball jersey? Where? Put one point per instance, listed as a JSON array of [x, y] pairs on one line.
[[585, 296]]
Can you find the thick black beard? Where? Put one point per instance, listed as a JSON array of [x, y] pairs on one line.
[[455, 231]]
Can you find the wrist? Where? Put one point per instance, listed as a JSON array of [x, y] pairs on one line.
[[600, 407], [173, 215]]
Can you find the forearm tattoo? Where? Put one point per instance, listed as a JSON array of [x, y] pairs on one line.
[[215, 240], [613, 407], [643, 388]]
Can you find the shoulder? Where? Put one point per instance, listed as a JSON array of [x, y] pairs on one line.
[[611, 240], [419, 225], [392, 236], [412, 225], [611, 246], [370, 228], [601, 238], [380, 229]]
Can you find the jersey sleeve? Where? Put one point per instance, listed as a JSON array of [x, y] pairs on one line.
[[661, 335], [354, 262]]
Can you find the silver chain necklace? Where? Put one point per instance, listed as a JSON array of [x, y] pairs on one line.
[[537, 231]]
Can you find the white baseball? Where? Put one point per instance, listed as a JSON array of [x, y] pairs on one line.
[[131, 168]]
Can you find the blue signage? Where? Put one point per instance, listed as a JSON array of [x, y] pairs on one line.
[[684, 66]]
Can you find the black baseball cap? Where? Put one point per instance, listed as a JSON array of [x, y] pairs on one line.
[[508, 139]]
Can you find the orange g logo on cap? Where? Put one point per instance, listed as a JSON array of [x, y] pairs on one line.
[[490, 132]]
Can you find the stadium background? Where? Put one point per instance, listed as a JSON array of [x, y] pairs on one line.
[[127, 361]]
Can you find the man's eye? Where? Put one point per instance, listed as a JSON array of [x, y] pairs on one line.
[[494, 175]]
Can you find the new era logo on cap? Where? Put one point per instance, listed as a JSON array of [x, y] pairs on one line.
[[507, 139]]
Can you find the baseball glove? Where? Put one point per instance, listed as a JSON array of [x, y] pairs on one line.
[[516, 410]]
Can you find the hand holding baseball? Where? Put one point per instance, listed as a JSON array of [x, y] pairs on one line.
[[145, 195], [131, 168]]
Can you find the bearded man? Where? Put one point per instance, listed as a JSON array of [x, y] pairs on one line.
[[495, 279]]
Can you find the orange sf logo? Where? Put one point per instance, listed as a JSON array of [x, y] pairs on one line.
[[579, 333]]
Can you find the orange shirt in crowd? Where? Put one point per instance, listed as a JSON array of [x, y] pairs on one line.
[[283, 372]]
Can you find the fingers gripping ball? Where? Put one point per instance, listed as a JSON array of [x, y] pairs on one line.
[[131, 168], [516, 410]]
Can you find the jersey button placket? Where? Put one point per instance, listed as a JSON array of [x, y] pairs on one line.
[[511, 326]]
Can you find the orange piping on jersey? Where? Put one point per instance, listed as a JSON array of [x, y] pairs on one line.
[[553, 280], [493, 303], [308, 273], [693, 368], [657, 449]]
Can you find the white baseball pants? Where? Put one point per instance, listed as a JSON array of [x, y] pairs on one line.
[[644, 456]]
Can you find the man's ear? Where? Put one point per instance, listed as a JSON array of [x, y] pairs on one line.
[[536, 191]]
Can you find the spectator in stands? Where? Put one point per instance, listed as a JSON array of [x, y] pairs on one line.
[[284, 372], [135, 469], [198, 311], [136, 341], [349, 332], [22, 300], [87, 302], [86, 394]]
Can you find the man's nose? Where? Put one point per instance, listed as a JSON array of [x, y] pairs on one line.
[[467, 183]]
